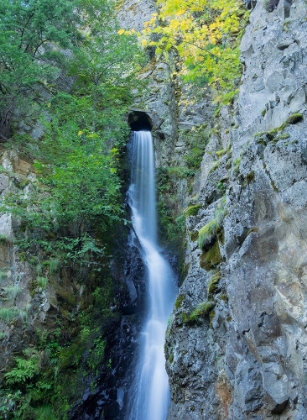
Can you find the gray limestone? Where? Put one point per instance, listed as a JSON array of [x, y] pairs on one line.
[[253, 363]]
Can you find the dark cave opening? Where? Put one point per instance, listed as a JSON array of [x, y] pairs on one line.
[[140, 121]]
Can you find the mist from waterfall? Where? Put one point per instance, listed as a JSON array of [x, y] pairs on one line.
[[149, 397]]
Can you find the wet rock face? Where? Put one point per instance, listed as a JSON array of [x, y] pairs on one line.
[[246, 357], [108, 400]]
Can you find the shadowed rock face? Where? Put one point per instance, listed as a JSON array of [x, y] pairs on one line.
[[246, 359]]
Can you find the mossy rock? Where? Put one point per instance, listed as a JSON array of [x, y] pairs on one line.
[[65, 295], [213, 283], [201, 311], [207, 234], [211, 317], [221, 236], [179, 300], [211, 258], [194, 236], [250, 177], [192, 210], [295, 118]]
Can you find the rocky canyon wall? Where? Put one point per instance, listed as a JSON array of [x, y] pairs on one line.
[[236, 344]]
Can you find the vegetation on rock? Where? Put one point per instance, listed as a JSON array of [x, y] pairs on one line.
[[65, 69], [206, 35]]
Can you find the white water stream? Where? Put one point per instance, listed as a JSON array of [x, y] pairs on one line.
[[150, 392]]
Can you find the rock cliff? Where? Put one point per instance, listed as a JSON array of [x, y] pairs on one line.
[[236, 344]]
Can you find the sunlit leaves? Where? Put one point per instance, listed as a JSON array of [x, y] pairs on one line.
[[206, 35]]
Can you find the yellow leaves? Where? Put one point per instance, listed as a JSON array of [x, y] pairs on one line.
[[144, 43], [127, 32], [206, 35], [80, 133]]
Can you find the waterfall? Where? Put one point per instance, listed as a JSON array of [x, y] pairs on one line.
[[149, 397]]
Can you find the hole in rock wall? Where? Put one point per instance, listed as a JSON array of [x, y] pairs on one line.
[[140, 121]]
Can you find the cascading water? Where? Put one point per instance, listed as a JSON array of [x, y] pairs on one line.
[[149, 397]]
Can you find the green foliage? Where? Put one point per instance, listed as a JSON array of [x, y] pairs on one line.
[[25, 369], [78, 159], [12, 314], [12, 291], [3, 239], [172, 230], [43, 381], [236, 165], [41, 282], [206, 35], [71, 216], [197, 140], [222, 152], [33, 34]]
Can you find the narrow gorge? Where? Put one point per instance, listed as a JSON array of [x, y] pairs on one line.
[[231, 192]]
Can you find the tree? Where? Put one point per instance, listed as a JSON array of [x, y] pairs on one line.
[[206, 35], [78, 194], [33, 34]]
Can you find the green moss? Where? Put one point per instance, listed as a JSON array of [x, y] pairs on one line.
[[207, 234], [236, 165], [214, 166], [249, 177], [273, 135], [284, 136], [211, 317], [211, 258], [295, 118], [192, 210], [223, 297], [201, 311], [179, 300], [221, 236], [3, 239], [211, 231], [213, 283], [274, 186], [194, 236], [222, 152], [65, 295], [169, 352]]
